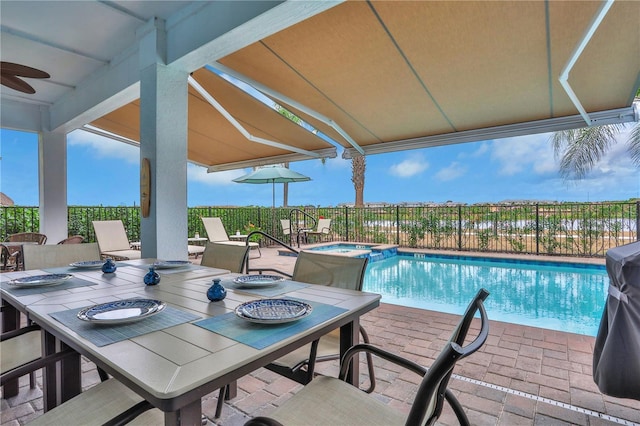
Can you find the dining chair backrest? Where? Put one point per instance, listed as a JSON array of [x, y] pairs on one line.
[[225, 256], [432, 392], [28, 237], [215, 229], [75, 239], [111, 235], [330, 270], [51, 256]]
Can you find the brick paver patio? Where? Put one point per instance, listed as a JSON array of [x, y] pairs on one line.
[[521, 376]]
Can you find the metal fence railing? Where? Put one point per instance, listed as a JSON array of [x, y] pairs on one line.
[[567, 229]]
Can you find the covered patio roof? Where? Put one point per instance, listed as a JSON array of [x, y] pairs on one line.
[[387, 76]]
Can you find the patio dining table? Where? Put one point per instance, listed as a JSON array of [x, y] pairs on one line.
[[205, 347]]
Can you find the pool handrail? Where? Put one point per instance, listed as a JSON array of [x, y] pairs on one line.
[[275, 240], [297, 216]]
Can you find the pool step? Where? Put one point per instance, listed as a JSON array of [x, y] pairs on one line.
[[375, 256]]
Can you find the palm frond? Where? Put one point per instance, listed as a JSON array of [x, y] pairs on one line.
[[581, 149], [634, 145]]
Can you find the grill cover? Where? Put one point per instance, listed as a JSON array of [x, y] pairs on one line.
[[616, 356]]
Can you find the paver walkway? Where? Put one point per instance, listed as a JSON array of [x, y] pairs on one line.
[[521, 376]]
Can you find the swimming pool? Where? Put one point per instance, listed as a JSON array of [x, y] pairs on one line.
[[566, 297]]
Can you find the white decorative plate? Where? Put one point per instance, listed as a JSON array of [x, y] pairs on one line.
[[121, 311], [87, 264], [253, 281], [273, 311], [40, 280], [169, 264]]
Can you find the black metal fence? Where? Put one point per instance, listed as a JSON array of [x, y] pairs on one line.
[[567, 229]]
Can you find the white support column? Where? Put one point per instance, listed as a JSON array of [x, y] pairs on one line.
[[52, 159], [163, 140]]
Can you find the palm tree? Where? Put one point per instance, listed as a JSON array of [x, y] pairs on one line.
[[358, 166], [581, 149]]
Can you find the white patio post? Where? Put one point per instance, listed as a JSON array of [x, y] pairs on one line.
[[52, 180], [163, 140]]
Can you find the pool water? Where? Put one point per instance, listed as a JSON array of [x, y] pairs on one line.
[[341, 248], [568, 298]]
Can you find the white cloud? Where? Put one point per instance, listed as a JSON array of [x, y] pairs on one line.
[[199, 174], [482, 149], [332, 163], [453, 171], [409, 167], [524, 153], [105, 147]]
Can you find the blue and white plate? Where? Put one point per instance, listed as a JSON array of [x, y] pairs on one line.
[[255, 281], [121, 311], [273, 311], [87, 264], [40, 280], [169, 264]]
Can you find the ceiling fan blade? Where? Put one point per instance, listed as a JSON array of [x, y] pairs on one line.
[[16, 84], [22, 70]]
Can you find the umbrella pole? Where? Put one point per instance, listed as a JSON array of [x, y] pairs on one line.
[[273, 208]]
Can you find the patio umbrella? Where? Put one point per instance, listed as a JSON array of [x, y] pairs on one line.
[[272, 175]]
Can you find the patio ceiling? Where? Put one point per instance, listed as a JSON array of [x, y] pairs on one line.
[[391, 75]]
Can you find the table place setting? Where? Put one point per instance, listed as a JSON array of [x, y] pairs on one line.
[[112, 322], [263, 285], [264, 322], [166, 267], [36, 284]]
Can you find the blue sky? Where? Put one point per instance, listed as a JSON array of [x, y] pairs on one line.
[[106, 172]]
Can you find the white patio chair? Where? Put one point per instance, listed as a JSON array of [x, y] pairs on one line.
[[286, 229], [113, 241], [217, 234], [324, 228]]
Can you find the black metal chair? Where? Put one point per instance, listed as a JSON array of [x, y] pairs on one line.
[[328, 400]]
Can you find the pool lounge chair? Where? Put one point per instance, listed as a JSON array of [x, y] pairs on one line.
[[113, 241], [217, 234]]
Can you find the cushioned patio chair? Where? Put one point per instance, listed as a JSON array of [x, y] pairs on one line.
[[217, 234], [75, 239], [333, 271], [323, 228], [19, 348], [13, 253], [51, 256], [332, 401], [224, 256], [109, 402], [113, 241], [323, 269]]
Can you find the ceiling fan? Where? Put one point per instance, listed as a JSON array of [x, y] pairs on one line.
[[9, 73]]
